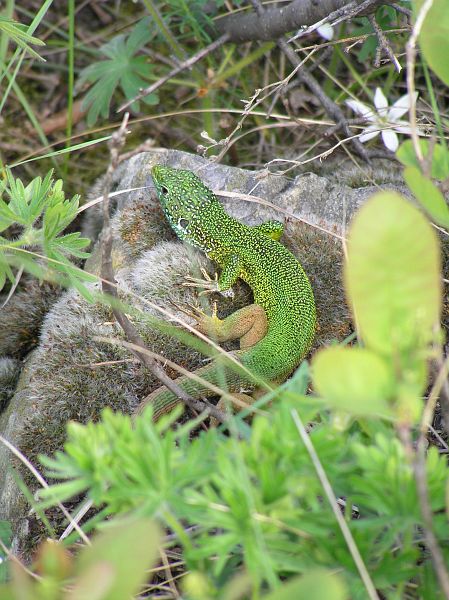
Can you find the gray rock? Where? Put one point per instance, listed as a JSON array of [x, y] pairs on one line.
[[72, 374]]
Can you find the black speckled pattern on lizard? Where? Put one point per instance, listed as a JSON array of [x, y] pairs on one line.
[[278, 282]]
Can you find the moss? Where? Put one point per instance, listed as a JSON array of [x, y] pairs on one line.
[[9, 374], [322, 258], [21, 318], [343, 171], [142, 226]]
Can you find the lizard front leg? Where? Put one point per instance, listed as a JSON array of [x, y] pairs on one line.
[[230, 272]]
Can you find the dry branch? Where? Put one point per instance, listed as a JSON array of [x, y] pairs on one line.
[[275, 22]]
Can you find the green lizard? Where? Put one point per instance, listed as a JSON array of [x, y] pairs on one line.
[[277, 330]]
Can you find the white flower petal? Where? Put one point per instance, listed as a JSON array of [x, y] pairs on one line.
[[360, 108], [380, 102], [405, 129], [390, 139], [369, 133], [326, 31], [400, 107]]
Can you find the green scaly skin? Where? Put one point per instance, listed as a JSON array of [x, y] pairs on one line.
[[276, 278]]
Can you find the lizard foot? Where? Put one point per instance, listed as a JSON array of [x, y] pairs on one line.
[[204, 322], [208, 284]]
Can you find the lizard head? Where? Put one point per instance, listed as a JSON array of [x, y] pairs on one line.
[[186, 202]]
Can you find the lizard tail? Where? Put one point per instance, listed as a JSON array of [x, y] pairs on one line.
[[217, 376]]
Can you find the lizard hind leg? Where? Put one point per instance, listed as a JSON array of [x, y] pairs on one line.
[[248, 324]]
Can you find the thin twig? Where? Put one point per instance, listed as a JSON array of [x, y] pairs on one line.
[[168, 574], [13, 558], [401, 9], [272, 23], [303, 75], [258, 97], [384, 44], [325, 483], [76, 518], [13, 287], [186, 64], [329, 106], [348, 11], [184, 372]]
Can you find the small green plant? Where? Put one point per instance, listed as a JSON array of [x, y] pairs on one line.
[[425, 178], [18, 33], [386, 17], [36, 216], [120, 68]]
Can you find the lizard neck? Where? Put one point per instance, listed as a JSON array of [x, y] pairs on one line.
[[214, 232]]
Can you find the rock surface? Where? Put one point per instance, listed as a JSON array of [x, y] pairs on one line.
[[72, 374]]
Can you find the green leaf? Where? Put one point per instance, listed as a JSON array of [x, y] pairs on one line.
[[316, 585], [354, 380], [7, 593], [19, 34], [121, 68], [5, 271], [393, 275], [440, 158], [8, 217], [140, 35], [44, 213], [434, 37], [60, 492], [71, 243], [428, 195], [116, 564]]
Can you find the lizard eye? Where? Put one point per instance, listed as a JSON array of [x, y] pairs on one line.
[[183, 223], [164, 190]]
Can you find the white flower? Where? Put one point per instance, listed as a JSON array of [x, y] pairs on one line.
[[326, 31], [383, 119]]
